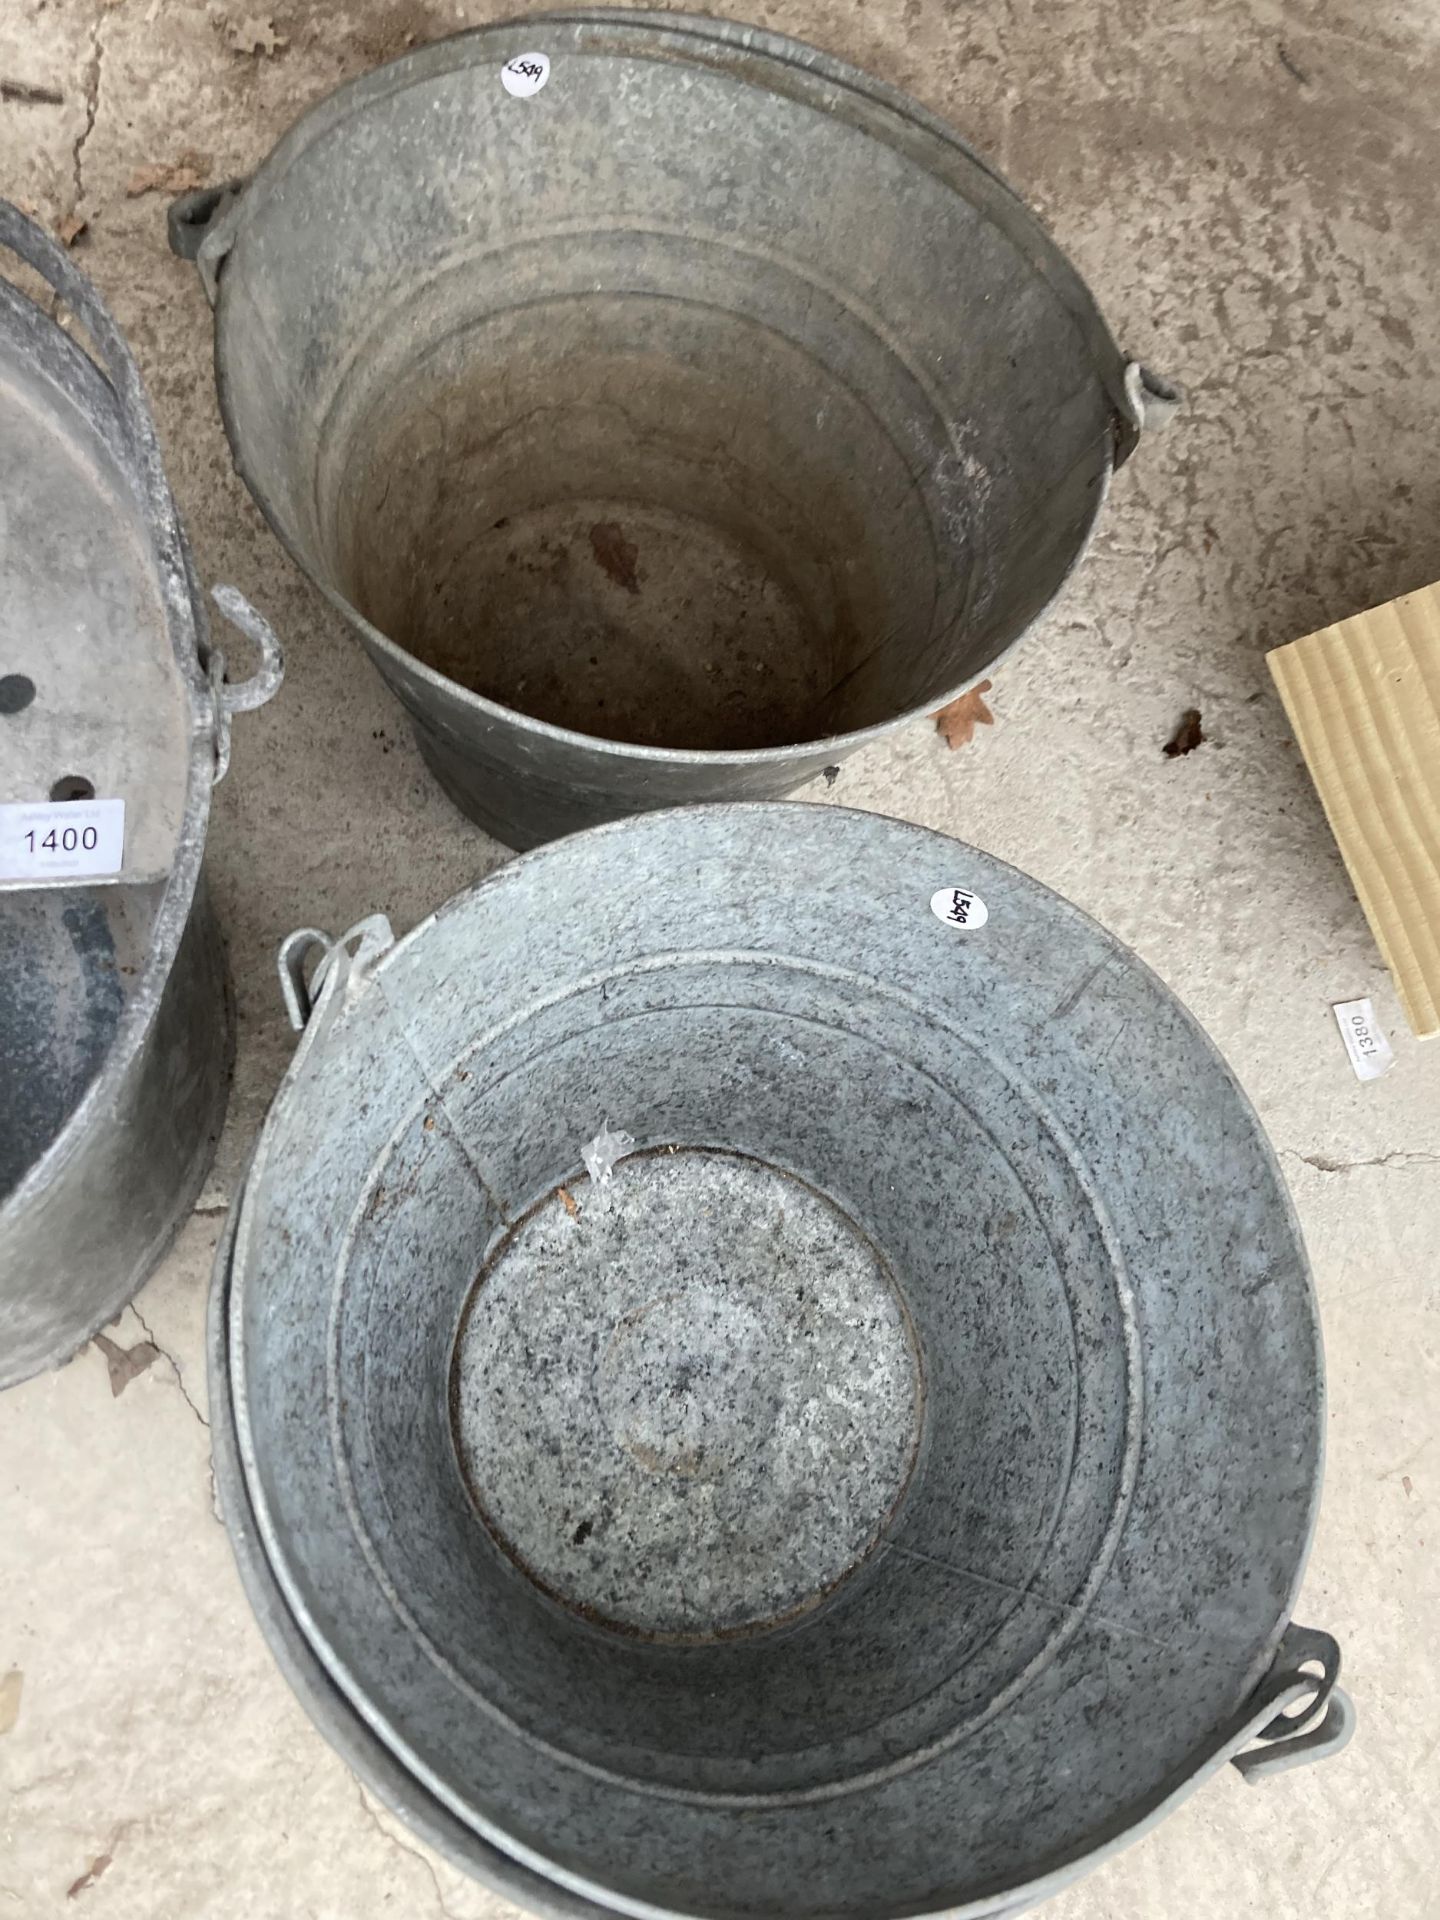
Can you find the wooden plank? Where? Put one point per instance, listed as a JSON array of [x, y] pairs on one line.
[[1363, 699]]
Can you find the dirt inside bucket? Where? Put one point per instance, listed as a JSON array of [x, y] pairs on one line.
[[637, 545], [626, 621]]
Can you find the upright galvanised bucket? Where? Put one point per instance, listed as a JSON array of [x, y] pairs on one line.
[[668, 407], [115, 1026], [766, 1368]]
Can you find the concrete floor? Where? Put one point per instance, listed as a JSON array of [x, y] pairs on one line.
[[1249, 186]]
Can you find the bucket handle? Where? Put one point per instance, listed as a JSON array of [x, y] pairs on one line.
[[1303, 1716], [242, 696], [199, 229], [313, 996], [1146, 402]]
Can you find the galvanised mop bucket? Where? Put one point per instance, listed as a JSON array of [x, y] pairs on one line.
[[766, 1368], [668, 407], [115, 1024]]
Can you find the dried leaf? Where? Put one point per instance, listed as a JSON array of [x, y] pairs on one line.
[[91, 1874], [181, 175], [615, 554], [125, 1362], [568, 1200], [71, 228], [256, 35], [958, 721], [12, 1685], [1187, 736]]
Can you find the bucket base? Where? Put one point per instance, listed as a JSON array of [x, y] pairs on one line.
[[630, 623], [689, 1403]]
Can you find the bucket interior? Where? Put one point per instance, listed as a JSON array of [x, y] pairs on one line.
[[637, 516], [72, 958], [739, 1411], [91, 707], [685, 404]]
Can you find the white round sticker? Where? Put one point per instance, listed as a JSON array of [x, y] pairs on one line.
[[525, 74], [958, 907]]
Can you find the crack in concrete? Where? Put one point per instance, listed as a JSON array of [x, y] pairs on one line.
[[1322, 1163], [414, 1852], [65, 1776], [92, 110], [175, 1367]]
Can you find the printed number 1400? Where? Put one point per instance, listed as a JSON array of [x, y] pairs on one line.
[[63, 840]]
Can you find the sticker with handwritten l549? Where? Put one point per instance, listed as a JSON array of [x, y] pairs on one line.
[[525, 74], [958, 907]]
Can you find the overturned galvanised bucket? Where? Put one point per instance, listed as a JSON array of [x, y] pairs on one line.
[[668, 407], [115, 1024], [767, 1368]]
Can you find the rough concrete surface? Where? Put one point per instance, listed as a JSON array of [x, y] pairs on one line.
[[1250, 189]]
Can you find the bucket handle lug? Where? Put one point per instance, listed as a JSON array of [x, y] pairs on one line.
[[292, 959], [311, 998], [242, 696], [1300, 1749], [1148, 402], [1325, 1720], [199, 228]]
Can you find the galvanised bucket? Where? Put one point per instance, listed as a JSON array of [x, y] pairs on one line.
[[115, 1024], [668, 407], [881, 1491]]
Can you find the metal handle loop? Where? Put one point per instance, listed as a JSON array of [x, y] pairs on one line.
[[241, 696], [297, 992], [1325, 1720], [1152, 401], [344, 961], [201, 225], [189, 218]]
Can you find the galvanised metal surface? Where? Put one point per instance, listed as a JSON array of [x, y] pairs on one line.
[[667, 433], [115, 1027], [326, 1705], [1012, 1156], [456, 1841], [687, 1443]]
